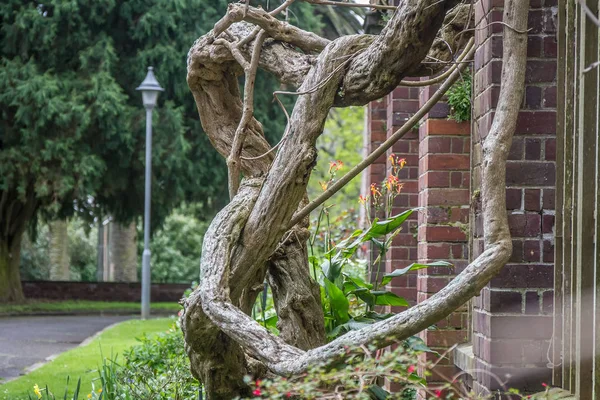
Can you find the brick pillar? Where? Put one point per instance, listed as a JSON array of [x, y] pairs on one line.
[[403, 102], [444, 176], [513, 314]]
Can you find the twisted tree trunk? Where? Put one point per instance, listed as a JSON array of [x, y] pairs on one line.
[[253, 236]]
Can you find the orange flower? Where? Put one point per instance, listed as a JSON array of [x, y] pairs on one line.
[[392, 159], [362, 199], [374, 191], [402, 162], [340, 164], [323, 185]]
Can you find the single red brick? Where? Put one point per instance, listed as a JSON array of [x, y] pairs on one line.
[[442, 234], [524, 225], [532, 199], [436, 144], [446, 162], [521, 327], [533, 97], [549, 199], [513, 199], [445, 197], [531, 251], [530, 173], [549, 100], [536, 122], [440, 179], [533, 149], [550, 151], [538, 71], [440, 338], [447, 127], [547, 223], [435, 251], [548, 251]]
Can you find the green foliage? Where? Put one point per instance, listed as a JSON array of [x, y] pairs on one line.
[[158, 368], [35, 261], [341, 140], [73, 124], [349, 301], [459, 99], [177, 246], [354, 377], [83, 242]]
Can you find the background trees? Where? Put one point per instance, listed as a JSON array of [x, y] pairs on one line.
[[72, 125]]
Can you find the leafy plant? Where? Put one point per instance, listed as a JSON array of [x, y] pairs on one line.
[[459, 99]]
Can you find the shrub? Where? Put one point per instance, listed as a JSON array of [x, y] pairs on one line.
[[459, 99]]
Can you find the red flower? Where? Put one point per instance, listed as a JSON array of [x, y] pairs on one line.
[[411, 369], [288, 394], [257, 392], [438, 393], [544, 384], [258, 382]]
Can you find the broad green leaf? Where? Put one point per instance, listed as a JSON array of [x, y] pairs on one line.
[[365, 295], [412, 267], [348, 247], [337, 301], [332, 269], [359, 282], [380, 228], [384, 298]]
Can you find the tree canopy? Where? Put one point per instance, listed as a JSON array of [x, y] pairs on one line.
[[72, 125]]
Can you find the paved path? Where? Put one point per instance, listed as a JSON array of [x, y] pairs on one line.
[[25, 341]]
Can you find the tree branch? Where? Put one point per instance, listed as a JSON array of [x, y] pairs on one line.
[[404, 129], [220, 251], [233, 161]]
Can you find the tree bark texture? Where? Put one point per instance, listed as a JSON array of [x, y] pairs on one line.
[[15, 214], [250, 239], [10, 280], [60, 261], [123, 252]]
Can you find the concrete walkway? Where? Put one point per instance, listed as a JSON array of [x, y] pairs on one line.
[[25, 341]]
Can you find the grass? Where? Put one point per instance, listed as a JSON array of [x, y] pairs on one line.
[[83, 361], [81, 306]]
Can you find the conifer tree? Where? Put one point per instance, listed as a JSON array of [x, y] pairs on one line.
[[72, 124]]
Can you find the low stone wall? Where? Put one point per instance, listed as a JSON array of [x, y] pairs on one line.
[[101, 291]]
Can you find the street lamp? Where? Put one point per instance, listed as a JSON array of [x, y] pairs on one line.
[[150, 89]]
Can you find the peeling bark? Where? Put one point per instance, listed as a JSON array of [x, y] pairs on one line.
[[249, 238]]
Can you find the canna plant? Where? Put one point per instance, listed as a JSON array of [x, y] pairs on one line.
[[349, 300]]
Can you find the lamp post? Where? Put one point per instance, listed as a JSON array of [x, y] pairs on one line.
[[150, 89]]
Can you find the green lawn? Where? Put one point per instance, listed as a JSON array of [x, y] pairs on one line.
[[81, 306], [82, 361]]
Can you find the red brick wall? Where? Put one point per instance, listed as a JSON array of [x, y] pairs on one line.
[[513, 315], [101, 291], [512, 319], [444, 178], [382, 123]]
